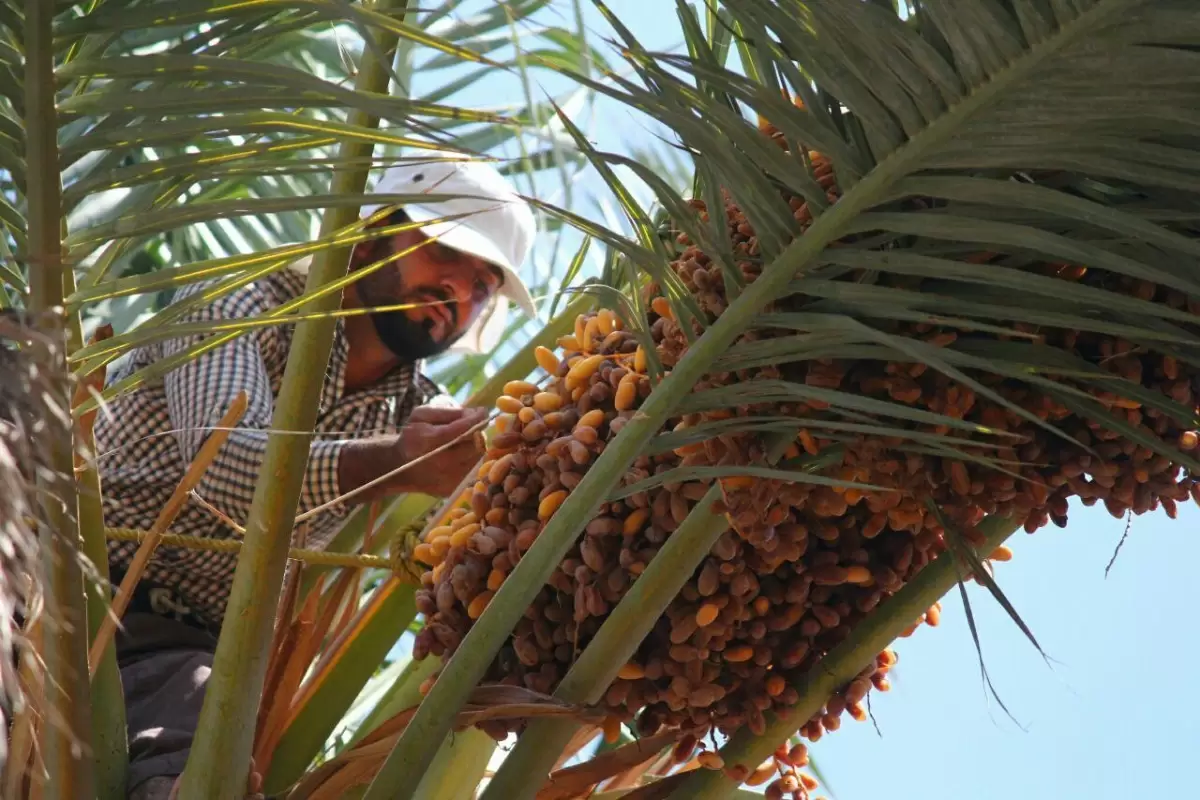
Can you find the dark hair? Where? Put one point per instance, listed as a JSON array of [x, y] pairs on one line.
[[397, 217], [372, 250]]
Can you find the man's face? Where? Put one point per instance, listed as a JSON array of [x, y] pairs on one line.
[[447, 289]]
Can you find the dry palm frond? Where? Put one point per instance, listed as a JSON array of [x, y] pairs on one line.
[[21, 416], [579, 779]]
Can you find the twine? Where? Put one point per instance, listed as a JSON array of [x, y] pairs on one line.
[[400, 562]]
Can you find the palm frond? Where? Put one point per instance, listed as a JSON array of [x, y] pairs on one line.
[[916, 120], [253, 138]]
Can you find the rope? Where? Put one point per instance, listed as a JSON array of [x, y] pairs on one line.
[[401, 563]]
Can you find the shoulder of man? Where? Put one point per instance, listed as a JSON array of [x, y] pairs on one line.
[[255, 297]]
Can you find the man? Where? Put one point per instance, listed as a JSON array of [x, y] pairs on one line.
[[377, 413]]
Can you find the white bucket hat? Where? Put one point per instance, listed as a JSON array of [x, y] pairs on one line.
[[489, 221]]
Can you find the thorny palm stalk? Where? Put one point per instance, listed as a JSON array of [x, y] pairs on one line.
[[66, 732]]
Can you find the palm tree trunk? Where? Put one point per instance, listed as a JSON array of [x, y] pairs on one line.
[[66, 730]]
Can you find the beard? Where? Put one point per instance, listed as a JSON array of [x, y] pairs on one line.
[[408, 339]]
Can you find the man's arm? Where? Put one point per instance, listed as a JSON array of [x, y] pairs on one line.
[[199, 392]]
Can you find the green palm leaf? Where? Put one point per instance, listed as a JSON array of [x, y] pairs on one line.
[[218, 171]]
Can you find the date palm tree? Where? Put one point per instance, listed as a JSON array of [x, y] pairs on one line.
[[142, 189], [1028, 131]]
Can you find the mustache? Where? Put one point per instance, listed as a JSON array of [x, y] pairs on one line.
[[441, 298]]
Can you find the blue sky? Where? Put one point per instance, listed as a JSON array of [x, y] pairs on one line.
[[1109, 718]]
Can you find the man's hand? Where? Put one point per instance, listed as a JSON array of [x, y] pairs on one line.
[[426, 430]]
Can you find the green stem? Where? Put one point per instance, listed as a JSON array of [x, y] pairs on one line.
[[403, 694], [65, 732], [424, 734], [220, 756], [310, 728], [459, 766], [109, 739], [841, 664], [417, 746]]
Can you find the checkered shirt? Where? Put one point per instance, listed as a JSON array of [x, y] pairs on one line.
[[147, 438]]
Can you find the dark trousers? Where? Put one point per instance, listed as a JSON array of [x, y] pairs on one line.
[[164, 670]]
